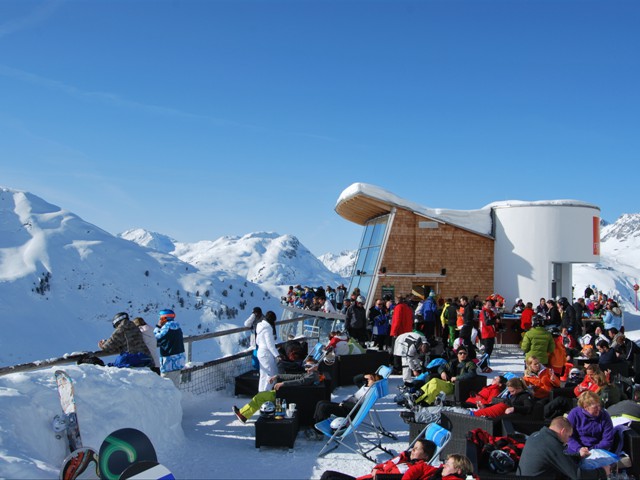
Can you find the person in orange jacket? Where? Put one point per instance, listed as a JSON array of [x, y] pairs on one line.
[[558, 358], [541, 380], [589, 382]]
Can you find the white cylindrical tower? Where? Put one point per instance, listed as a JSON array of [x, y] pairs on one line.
[[536, 243]]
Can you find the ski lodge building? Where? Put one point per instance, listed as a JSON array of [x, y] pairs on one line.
[[513, 248]]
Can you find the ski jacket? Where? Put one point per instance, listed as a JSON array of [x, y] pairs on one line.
[[264, 340], [486, 394], [558, 358], [460, 370], [151, 343], [612, 321], [402, 320], [171, 345], [449, 315], [538, 342], [356, 318], [126, 338], [298, 380], [429, 310], [525, 318], [403, 465], [487, 324], [380, 321], [590, 431], [553, 317], [543, 455], [541, 383]]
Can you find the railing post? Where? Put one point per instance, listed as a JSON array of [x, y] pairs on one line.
[[187, 351]]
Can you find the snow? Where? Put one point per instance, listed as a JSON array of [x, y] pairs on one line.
[[194, 436], [95, 275]]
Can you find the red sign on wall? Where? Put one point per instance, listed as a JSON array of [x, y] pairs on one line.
[[596, 235]]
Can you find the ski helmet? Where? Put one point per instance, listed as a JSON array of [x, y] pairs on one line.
[[166, 313], [361, 299], [501, 462], [576, 375], [267, 409], [118, 317], [338, 424]]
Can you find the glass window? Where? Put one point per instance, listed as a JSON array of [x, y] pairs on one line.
[[368, 255]]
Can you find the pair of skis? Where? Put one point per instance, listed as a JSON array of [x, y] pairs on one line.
[[125, 454]]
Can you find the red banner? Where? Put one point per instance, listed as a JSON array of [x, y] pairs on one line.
[[596, 235]]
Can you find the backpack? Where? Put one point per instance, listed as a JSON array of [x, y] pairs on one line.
[[487, 443]]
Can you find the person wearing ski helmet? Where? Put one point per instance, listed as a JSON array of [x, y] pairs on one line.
[[126, 337], [171, 344]]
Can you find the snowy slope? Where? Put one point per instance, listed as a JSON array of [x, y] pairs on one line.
[[62, 279]]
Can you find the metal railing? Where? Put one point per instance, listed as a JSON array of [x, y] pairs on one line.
[[219, 373]]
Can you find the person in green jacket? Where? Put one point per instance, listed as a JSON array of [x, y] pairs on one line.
[[538, 342]]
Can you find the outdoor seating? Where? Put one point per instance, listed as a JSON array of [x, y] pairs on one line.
[[351, 365], [305, 397], [349, 432], [464, 388], [439, 435], [459, 425], [247, 383]]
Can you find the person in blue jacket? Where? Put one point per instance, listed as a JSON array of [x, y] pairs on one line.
[[429, 316], [171, 344]]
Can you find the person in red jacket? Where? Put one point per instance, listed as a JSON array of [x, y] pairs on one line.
[[410, 464], [401, 322], [456, 467], [526, 316], [484, 397], [488, 319]]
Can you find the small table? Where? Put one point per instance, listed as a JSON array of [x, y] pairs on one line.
[[271, 432]]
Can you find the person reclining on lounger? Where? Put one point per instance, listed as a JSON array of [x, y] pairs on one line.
[[414, 465], [326, 408], [457, 369], [310, 377]]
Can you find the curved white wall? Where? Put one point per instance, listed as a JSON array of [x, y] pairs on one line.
[[530, 239]]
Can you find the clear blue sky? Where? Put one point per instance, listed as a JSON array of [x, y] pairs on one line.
[[199, 119]]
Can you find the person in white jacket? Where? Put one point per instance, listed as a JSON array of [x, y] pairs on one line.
[[149, 340], [267, 351]]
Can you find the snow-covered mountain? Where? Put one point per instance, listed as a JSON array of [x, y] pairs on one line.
[[619, 266], [341, 263], [62, 279]]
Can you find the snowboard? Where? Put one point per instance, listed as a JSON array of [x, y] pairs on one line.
[[80, 464], [147, 471], [68, 404], [123, 448]]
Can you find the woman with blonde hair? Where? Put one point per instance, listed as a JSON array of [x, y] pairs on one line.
[[541, 379], [592, 426], [608, 392]]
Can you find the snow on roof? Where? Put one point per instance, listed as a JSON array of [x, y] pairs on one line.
[[478, 221]]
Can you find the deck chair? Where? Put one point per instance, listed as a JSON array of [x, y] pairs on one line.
[[438, 435], [384, 371], [317, 352], [374, 417], [360, 412]]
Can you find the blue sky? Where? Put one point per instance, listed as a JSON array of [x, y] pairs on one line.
[[199, 119]]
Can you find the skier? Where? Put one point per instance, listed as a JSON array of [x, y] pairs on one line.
[[127, 341], [170, 341]]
